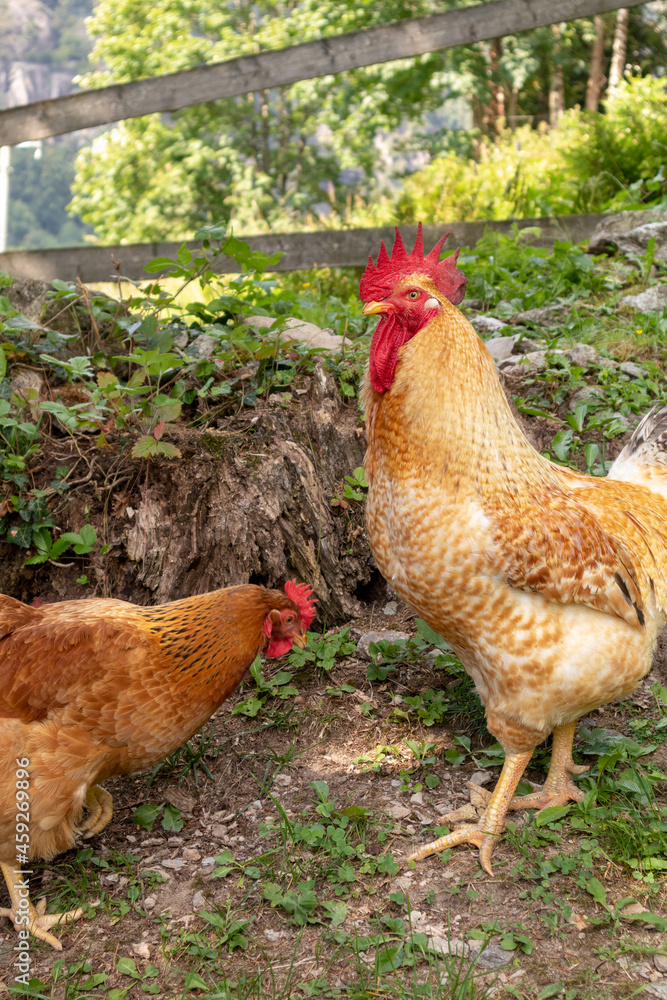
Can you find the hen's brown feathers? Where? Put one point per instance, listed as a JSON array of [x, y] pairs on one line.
[[89, 689]]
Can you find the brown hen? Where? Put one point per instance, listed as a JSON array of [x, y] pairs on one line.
[[97, 688], [549, 585]]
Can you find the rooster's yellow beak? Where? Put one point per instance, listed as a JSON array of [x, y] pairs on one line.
[[301, 640], [375, 307]]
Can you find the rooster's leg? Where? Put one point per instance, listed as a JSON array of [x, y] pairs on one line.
[[559, 788], [25, 916], [491, 823], [100, 810]]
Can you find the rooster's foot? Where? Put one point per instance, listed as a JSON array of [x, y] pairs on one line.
[[100, 810], [558, 789], [25, 916], [485, 834], [462, 835]]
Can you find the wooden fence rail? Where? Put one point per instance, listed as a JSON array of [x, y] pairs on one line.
[[328, 248], [325, 57]]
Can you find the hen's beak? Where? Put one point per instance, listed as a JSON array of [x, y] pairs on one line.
[[301, 640], [370, 308]]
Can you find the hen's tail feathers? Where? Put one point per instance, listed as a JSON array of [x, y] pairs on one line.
[[14, 614], [644, 458]]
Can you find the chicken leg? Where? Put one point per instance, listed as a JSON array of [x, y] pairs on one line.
[[491, 824], [100, 810], [559, 788], [32, 918]]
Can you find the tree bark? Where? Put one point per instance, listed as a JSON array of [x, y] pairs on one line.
[[618, 51], [556, 83], [595, 80]]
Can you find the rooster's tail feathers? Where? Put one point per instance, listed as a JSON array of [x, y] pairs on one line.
[[644, 458]]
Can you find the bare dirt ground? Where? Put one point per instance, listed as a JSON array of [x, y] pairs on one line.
[[147, 932]]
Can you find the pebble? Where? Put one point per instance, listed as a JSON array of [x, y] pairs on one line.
[[660, 961], [417, 798], [150, 902], [658, 990], [274, 936], [632, 370], [152, 842], [175, 841], [481, 777], [493, 957], [224, 815], [142, 949], [395, 783], [207, 862], [389, 635], [131, 839], [487, 324], [174, 863], [461, 815], [198, 901], [398, 811], [390, 608], [218, 831], [191, 854], [448, 946]]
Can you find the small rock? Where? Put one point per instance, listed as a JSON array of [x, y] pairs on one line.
[[632, 370], [653, 300], [493, 957], [142, 949], [388, 635], [481, 777], [586, 394], [150, 902], [643, 969], [283, 779], [487, 324], [299, 329], [448, 946], [207, 862], [274, 936], [582, 355], [131, 839], [175, 841], [632, 909], [219, 832], [660, 961], [545, 316], [224, 815], [398, 811], [191, 854], [203, 345], [198, 901], [390, 608], [174, 863], [501, 347], [635, 242], [526, 345], [461, 815], [443, 807], [417, 798], [658, 990]]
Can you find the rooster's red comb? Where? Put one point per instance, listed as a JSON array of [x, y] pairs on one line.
[[301, 594], [379, 280]]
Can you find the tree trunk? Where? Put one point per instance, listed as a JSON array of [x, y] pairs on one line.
[[619, 50], [595, 80], [556, 84]]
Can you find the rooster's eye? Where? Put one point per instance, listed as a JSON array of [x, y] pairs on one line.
[[412, 295], [289, 619]]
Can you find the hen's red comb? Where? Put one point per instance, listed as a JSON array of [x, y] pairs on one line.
[[301, 594], [379, 280]]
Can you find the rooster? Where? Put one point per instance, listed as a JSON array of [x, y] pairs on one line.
[[549, 585], [96, 688]]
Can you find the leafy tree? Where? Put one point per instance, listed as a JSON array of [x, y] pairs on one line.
[[281, 157]]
